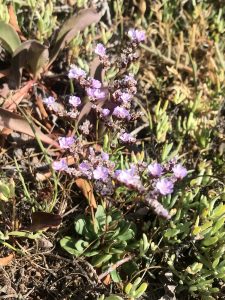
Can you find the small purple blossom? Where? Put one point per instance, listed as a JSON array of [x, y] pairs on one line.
[[66, 142], [165, 186], [127, 138], [105, 112], [179, 171], [129, 177], [121, 112], [105, 156], [100, 50], [125, 97], [136, 35], [51, 103], [155, 169], [60, 165], [95, 84], [74, 101], [85, 168], [76, 72], [101, 173], [95, 93]]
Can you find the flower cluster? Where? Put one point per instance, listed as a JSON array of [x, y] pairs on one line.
[[114, 106], [70, 109]]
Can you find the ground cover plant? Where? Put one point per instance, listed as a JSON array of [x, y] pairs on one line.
[[112, 150]]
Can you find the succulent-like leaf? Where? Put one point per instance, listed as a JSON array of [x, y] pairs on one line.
[[71, 27], [30, 55], [9, 37]]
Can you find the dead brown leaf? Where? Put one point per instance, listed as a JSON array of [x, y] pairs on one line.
[[43, 220], [71, 27], [13, 21], [5, 261], [13, 101], [87, 191], [17, 123]]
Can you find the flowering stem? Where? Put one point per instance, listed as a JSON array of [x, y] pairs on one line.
[[71, 86]]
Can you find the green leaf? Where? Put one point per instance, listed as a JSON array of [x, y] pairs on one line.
[[210, 241], [4, 192], [217, 226], [81, 245], [115, 276], [100, 215], [68, 243], [100, 259], [9, 37], [140, 291], [114, 297], [218, 211], [80, 226]]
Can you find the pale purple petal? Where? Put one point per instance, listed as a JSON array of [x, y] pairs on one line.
[[96, 84], [95, 93], [66, 142], [129, 177], [179, 171], [105, 112], [105, 156], [76, 72], [60, 165], [155, 169], [74, 101], [127, 138], [125, 97], [165, 186], [136, 35], [51, 103], [100, 50], [101, 173], [121, 113]]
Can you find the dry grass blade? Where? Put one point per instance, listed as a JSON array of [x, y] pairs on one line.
[[17, 123], [71, 27]]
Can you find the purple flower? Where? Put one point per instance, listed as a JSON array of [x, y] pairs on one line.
[[85, 168], [66, 142], [75, 101], [100, 50], [164, 186], [49, 101], [105, 156], [136, 35], [129, 177], [95, 93], [125, 97], [179, 171], [96, 84], [101, 173], [121, 113], [127, 138], [105, 112], [60, 165], [76, 72], [155, 169]]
